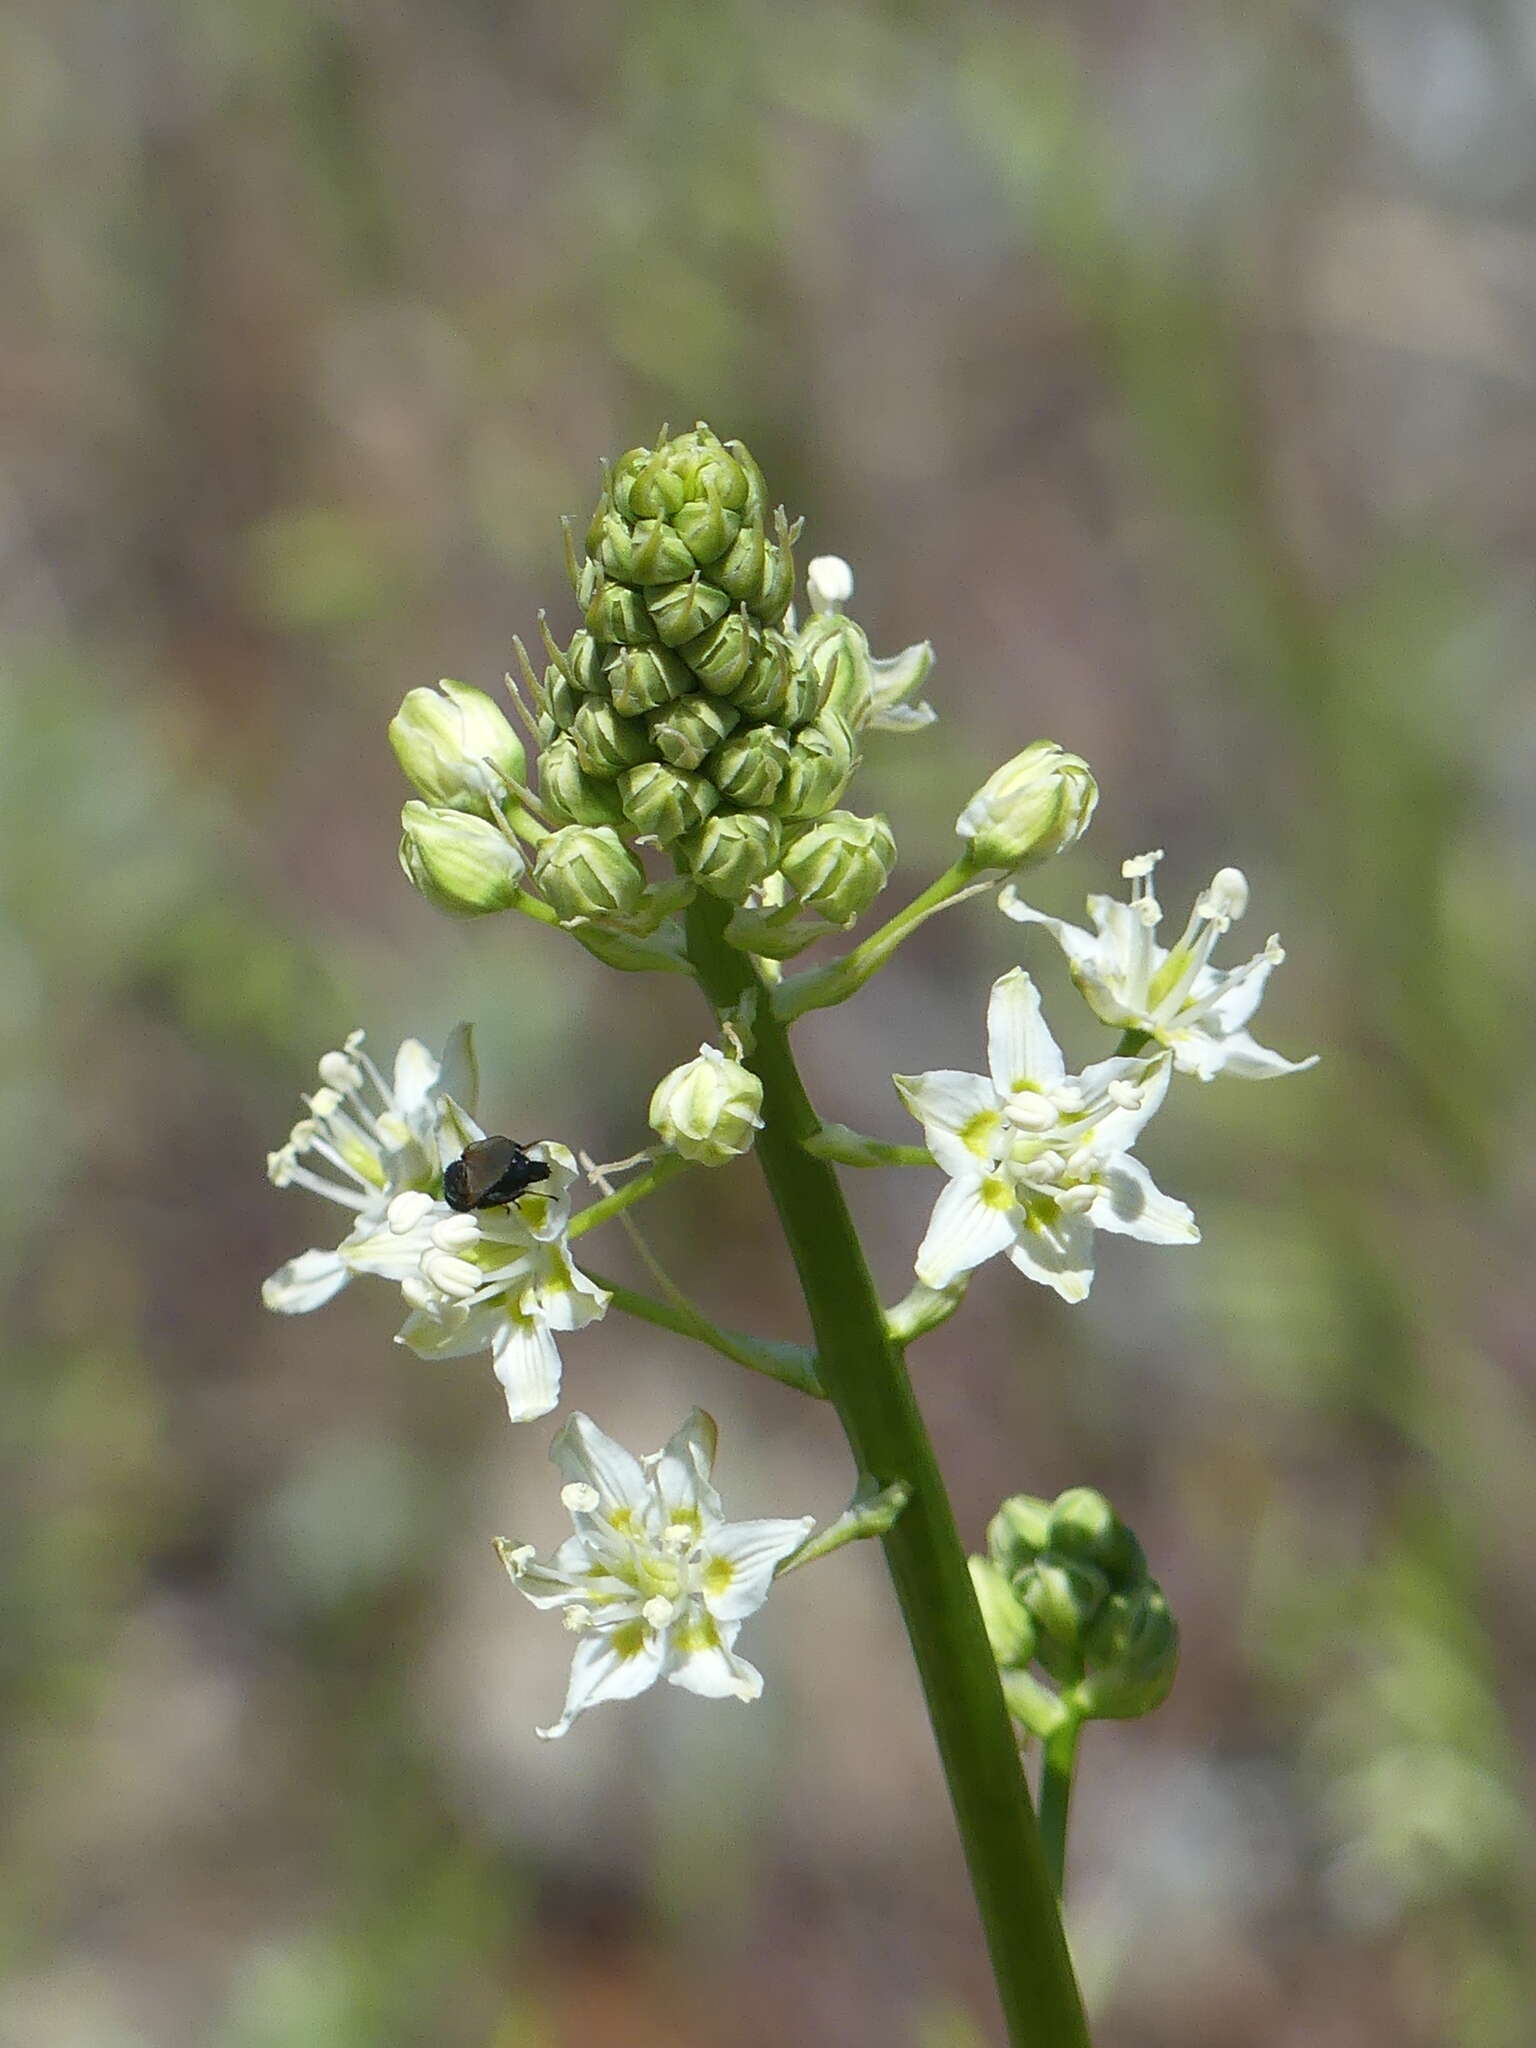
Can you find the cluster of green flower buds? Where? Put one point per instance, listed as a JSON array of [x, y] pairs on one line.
[[1065, 1586], [686, 713], [459, 845], [1034, 806]]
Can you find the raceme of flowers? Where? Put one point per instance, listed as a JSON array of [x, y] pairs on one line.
[[693, 744]]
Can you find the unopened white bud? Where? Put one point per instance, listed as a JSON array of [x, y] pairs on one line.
[[1032, 807], [708, 1110], [459, 862], [457, 748]]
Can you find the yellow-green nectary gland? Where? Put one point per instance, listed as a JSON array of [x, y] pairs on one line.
[[681, 695]]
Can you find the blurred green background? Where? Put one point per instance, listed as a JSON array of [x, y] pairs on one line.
[[1172, 368]]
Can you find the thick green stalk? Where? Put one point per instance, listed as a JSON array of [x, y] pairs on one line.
[[865, 1378]]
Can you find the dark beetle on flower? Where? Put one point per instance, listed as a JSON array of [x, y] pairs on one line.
[[489, 1174]]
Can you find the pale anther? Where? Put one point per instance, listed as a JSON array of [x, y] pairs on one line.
[[580, 1498]]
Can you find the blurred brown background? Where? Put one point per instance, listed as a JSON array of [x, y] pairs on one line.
[[1172, 367]]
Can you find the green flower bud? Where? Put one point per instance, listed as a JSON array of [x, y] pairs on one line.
[[758, 573], [707, 527], [749, 767], [685, 732], [581, 663], [682, 611], [722, 656], [764, 691], [641, 679], [841, 864], [709, 1109], [1018, 1532], [663, 803], [1084, 1525], [559, 706], [578, 798], [460, 862], [837, 653], [586, 871], [648, 552], [1032, 807], [821, 760], [606, 742], [1133, 1654], [616, 612], [456, 747], [732, 851], [1063, 1597], [1010, 1630]]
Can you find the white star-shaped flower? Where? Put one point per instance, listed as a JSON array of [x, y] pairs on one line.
[[498, 1280], [655, 1582], [1038, 1159], [364, 1142], [1176, 998]]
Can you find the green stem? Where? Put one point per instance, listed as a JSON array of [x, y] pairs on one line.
[[1056, 1797], [791, 1364], [845, 1147], [865, 1377], [834, 983], [667, 1167]]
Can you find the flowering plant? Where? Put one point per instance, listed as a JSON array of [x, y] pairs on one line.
[[681, 808]]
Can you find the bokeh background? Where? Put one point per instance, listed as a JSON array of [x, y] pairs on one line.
[[1172, 368]]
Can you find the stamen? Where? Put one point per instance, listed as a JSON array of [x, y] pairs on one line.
[[408, 1209], [1124, 1094], [576, 1617], [337, 1071], [580, 1498], [454, 1277], [454, 1233], [1140, 864], [1030, 1112], [658, 1612]]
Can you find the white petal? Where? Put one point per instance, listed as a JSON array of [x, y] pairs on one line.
[[1133, 1205], [1234, 993], [960, 1114], [454, 1332], [306, 1282], [563, 1297], [416, 1073], [964, 1230], [1058, 1255], [527, 1362], [1087, 952], [459, 1068], [900, 717], [681, 1471], [1020, 1049], [744, 1557], [1240, 1055], [582, 1451], [716, 1673], [609, 1664]]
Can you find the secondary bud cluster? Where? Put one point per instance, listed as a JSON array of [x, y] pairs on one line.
[[683, 712], [1065, 1586]]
